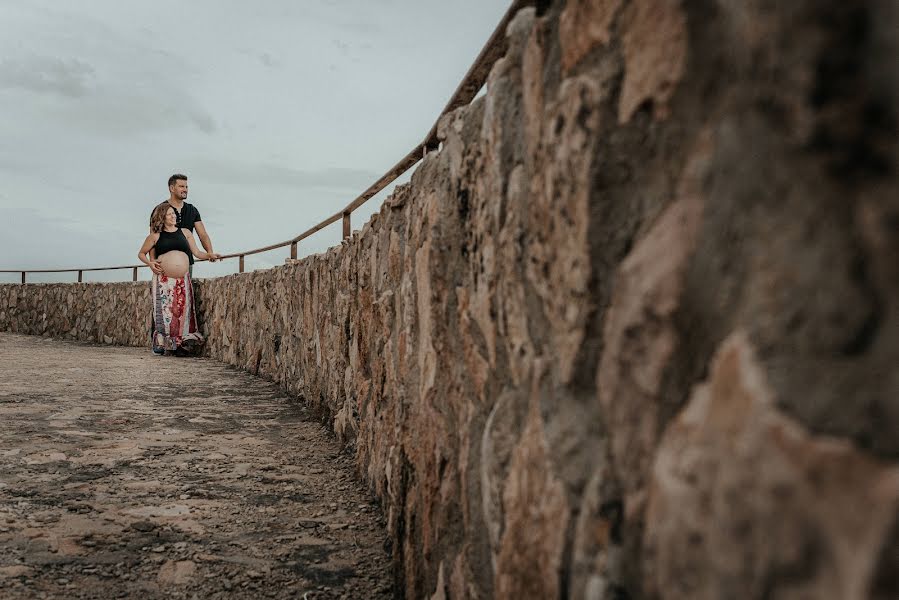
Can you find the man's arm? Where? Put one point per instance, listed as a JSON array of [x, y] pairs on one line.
[[204, 239]]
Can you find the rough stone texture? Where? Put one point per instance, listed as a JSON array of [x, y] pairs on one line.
[[105, 313], [583, 25], [743, 499], [654, 46], [513, 346]]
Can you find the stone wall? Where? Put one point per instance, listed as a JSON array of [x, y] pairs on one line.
[[104, 313], [632, 331]]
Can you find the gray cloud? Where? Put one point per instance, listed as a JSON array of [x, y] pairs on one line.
[[268, 60], [341, 179], [54, 239], [360, 27], [101, 109], [44, 74], [111, 112], [203, 120]]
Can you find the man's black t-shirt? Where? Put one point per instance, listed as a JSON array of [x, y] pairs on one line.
[[187, 219], [188, 216]]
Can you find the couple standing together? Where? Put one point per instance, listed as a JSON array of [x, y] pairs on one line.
[[169, 251]]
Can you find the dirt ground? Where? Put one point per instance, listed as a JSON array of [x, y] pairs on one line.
[[127, 475]]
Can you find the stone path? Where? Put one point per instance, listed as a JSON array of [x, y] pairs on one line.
[[126, 475]]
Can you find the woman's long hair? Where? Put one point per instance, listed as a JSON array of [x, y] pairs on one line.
[[157, 218]]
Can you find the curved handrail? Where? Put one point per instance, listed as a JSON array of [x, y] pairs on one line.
[[473, 81]]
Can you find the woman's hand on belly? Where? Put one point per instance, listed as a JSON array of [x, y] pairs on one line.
[[174, 263]]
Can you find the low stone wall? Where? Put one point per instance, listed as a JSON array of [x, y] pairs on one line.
[[105, 313], [632, 331]]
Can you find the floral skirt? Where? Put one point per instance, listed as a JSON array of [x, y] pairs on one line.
[[174, 316]]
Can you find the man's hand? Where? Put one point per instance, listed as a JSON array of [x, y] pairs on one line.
[[213, 256], [156, 267]]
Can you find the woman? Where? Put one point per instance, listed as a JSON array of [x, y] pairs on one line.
[[175, 322]]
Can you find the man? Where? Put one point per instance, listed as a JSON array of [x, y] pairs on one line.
[[188, 218]]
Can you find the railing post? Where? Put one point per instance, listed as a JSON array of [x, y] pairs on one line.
[[79, 276], [241, 263], [23, 276], [347, 229], [134, 274], [293, 250]]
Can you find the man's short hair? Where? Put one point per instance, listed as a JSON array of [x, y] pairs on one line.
[[176, 177]]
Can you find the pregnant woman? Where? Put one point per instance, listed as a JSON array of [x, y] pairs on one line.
[[175, 323]]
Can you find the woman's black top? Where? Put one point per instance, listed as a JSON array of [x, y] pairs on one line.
[[172, 241]]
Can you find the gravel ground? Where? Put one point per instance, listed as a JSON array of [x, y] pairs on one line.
[[127, 475]]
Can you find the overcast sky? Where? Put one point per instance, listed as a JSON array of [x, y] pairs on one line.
[[279, 111]]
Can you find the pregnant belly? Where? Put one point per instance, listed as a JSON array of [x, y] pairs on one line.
[[174, 263]]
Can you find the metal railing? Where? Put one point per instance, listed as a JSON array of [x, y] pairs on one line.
[[466, 91]]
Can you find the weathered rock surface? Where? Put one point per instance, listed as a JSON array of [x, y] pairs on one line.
[[742, 498], [515, 347], [105, 313]]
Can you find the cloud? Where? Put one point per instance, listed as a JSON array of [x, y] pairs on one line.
[[43, 74], [202, 120], [77, 99], [250, 174], [360, 28], [56, 234], [268, 60], [75, 72]]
